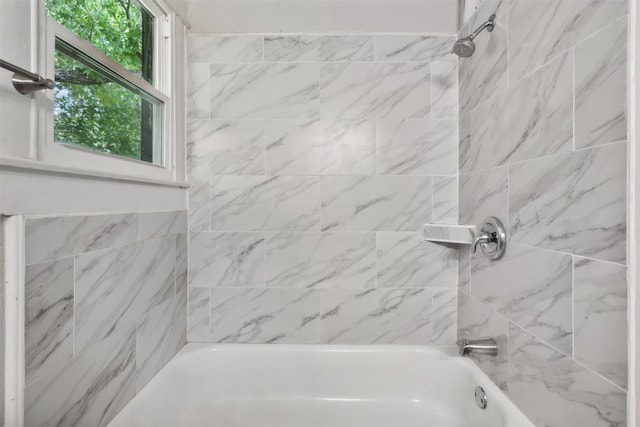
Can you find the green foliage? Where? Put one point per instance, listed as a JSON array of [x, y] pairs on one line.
[[113, 26], [90, 111]]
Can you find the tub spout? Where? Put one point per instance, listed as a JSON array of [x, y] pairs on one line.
[[483, 346]]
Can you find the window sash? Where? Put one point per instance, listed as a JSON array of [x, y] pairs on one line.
[[151, 142], [108, 65], [92, 161]]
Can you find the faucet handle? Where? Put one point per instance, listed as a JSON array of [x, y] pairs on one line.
[[492, 239], [480, 239]]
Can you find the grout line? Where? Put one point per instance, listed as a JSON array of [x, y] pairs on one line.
[[573, 307], [213, 35], [568, 254], [606, 144]]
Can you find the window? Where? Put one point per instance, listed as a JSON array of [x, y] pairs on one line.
[[107, 95]]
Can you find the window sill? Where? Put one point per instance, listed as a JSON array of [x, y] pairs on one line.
[[65, 170]]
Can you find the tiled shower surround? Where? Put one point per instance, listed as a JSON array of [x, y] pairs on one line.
[[314, 161], [105, 310], [543, 146]]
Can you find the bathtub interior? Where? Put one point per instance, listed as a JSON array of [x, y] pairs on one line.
[[312, 386]]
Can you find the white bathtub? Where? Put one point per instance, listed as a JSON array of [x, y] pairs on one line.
[[313, 386]]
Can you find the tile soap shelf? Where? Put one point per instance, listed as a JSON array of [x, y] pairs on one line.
[[448, 233]]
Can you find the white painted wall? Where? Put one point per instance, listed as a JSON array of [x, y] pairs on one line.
[[2, 321], [326, 16]]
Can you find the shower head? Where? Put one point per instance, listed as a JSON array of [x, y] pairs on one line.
[[465, 46]]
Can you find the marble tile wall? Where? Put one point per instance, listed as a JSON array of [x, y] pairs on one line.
[[106, 308], [543, 143], [314, 161]]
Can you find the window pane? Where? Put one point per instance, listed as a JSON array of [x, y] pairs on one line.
[[121, 29], [96, 109]]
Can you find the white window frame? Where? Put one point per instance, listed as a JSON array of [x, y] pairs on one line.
[[65, 158]]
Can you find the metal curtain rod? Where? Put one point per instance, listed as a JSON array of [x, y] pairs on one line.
[[25, 81]]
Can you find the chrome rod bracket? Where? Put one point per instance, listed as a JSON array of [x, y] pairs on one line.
[[26, 82], [26, 86]]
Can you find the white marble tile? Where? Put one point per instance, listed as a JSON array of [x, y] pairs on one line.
[[573, 203], [445, 313], [533, 118], [530, 287], [226, 259], [88, 391], [476, 321], [320, 147], [311, 48], [375, 90], [486, 71], [114, 287], [416, 147], [540, 30], [264, 91], [483, 194], [211, 49], [449, 234], [255, 203], [265, 315], [320, 260], [198, 315], [182, 267], [159, 224], [58, 237], [219, 147], [600, 318], [464, 269], [553, 390], [444, 90], [376, 316], [199, 200], [48, 317], [198, 91], [601, 87], [445, 199], [406, 261], [464, 141], [375, 203], [160, 334], [408, 48]]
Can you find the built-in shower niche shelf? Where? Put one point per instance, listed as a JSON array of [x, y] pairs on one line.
[[447, 233]]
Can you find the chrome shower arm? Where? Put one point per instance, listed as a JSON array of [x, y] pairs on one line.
[[489, 25]]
